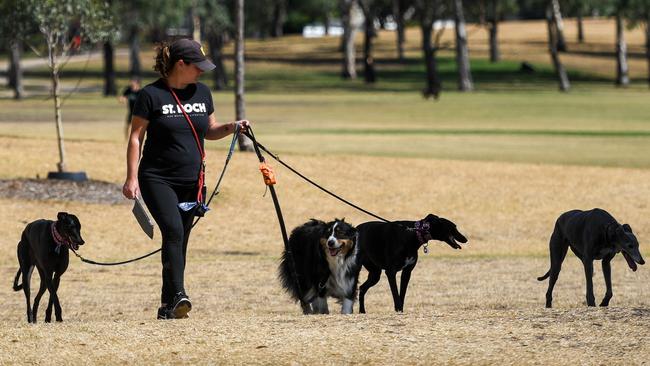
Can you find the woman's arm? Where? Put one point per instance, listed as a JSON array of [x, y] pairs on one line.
[[217, 131], [131, 187]]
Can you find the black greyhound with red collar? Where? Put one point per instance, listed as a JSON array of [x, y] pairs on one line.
[[44, 244], [394, 246]]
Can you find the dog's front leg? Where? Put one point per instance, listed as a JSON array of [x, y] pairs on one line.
[[373, 278], [57, 305], [393, 289], [320, 305], [347, 306], [306, 307], [607, 273], [54, 299], [403, 285], [589, 271]]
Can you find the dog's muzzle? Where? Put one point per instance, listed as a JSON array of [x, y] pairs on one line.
[[333, 247], [632, 260]]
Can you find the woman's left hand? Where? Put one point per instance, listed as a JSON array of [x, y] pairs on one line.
[[244, 124]]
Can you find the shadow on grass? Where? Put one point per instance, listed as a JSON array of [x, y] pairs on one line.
[[392, 76]]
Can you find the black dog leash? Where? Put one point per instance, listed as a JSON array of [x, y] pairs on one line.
[[274, 156], [287, 249], [89, 261], [214, 193], [311, 181]]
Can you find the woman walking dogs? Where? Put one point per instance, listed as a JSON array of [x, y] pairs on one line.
[[176, 113]]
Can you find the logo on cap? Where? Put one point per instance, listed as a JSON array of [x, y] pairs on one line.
[[202, 52]]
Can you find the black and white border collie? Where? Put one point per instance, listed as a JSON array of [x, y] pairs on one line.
[[325, 257]]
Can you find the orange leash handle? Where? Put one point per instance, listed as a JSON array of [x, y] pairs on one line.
[[268, 174]]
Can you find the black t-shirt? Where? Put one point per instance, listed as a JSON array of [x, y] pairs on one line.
[[170, 152]]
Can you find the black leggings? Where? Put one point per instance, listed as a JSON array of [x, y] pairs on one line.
[[175, 225]]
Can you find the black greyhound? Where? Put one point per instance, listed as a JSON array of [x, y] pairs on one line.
[[394, 246], [592, 234], [44, 244]]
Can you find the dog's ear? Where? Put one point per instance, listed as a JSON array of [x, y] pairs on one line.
[[76, 221], [61, 215], [431, 217], [627, 228]]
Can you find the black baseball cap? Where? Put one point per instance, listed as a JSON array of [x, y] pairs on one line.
[[190, 51]]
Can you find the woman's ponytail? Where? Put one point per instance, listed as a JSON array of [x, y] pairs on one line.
[[163, 65]]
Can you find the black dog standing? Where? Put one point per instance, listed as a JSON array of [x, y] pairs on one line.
[[394, 246], [44, 244], [592, 234]]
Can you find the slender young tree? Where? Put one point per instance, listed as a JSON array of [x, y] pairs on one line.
[[638, 12], [245, 144], [553, 32], [399, 8], [493, 21], [15, 23], [580, 8], [349, 30], [53, 18], [15, 70], [428, 12], [489, 13], [465, 82], [110, 88], [622, 69], [369, 8], [279, 17], [559, 25]]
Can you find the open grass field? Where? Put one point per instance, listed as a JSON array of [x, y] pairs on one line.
[[502, 163]]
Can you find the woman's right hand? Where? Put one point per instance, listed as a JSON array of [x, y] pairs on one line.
[[131, 189]]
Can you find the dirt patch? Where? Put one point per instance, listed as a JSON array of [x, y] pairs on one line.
[[91, 191]]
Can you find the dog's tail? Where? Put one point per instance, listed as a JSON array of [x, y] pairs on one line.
[[17, 287], [544, 276], [287, 278]]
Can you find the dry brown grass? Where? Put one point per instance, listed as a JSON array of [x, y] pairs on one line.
[[481, 305]]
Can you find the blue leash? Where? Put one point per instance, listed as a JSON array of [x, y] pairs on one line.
[[231, 150]]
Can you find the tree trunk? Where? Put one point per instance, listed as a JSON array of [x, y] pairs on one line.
[[245, 144], [581, 33], [465, 82], [563, 79], [398, 14], [647, 46], [215, 46], [349, 63], [433, 84], [196, 24], [135, 68], [495, 55], [622, 78], [15, 71], [369, 25], [559, 25], [109, 70], [54, 74], [279, 17]]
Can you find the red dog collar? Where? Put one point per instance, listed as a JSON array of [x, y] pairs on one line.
[[58, 238]]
